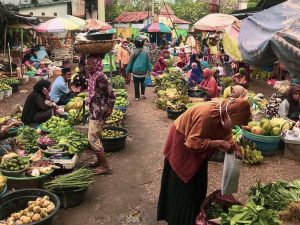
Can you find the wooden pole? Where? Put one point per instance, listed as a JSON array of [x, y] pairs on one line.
[[101, 10], [9, 59], [110, 65], [5, 37]]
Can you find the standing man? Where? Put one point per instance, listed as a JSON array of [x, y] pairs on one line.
[[123, 60]]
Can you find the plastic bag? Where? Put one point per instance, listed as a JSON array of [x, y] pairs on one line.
[[231, 174], [148, 82]]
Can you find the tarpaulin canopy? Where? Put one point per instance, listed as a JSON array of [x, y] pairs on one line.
[[271, 35]]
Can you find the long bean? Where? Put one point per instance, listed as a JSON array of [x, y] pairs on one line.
[[80, 178]]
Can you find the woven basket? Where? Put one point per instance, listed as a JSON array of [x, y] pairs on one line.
[[94, 47]]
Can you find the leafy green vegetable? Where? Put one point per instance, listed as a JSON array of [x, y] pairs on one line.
[[27, 138], [118, 82]]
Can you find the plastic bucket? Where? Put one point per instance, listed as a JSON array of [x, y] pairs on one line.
[[15, 87], [268, 145], [121, 108], [7, 93], [174, 114], [17, 200], [71, 198], [115, 144]]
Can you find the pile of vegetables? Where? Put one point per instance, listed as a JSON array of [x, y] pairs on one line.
[[171, 80], [76, 102], [75, 116], [13, 164], [252, 156], [54, 122], [36, 211], [10, 80], [69, 139], [80, 178], [214, 210], [275, 195], [249, 214], [259, 74], [172, 99], [227, 81], [121, 102], [27, 139], [121, 93], [118, 82], [108, 133], [115, 119]]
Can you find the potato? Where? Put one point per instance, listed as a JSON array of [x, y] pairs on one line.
[[50, 208], [37, 209], [36, 217], [19, 222]]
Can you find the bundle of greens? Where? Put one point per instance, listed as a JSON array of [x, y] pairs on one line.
[[275, 195], [27, 138], [249, 214], [80, 178], [118, 82]]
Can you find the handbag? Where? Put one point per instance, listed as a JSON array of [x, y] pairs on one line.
[[148, 82]]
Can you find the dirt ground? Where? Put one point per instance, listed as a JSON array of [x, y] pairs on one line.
[[129, 195]]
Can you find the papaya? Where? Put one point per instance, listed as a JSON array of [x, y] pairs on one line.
[[266, 125], [257, 130]]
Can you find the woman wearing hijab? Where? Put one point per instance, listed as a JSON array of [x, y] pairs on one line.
[[240, 78], [193, 59], [209, 84], [160, 66], [196, 76], [290, 107], [38, 108], [100, 101], [192, 140], [236, 91]]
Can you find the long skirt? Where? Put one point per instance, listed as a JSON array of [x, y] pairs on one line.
[[179, 202]]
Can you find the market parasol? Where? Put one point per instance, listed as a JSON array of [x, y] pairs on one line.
[[93, 24], [230, 41], [59, 24], [157, 28], [272, 35], [215, 22], [76, 20]]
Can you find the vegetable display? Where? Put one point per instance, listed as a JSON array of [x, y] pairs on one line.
[[54, 122], [214, 210], [291, 213], [3, 181], [275, 195], [76, 102], [250, 214], [107, 133], [120, 102], [80, 178], [171, 80], [36, 211], [172, 99], [115, 119], [121, 93], [4, 86], [10, 80], [69, 140], [118, 82], [27, 139], [13, 164]]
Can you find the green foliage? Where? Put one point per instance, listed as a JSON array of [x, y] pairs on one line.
[[253, 3]]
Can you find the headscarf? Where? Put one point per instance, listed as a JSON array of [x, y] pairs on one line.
[[196, 75], [40, 85], [160, 66], [207, 74], [293, 105], [238, 91], [193, 59]]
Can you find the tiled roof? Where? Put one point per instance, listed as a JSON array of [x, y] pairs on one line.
[[166, 11], [129, 17]]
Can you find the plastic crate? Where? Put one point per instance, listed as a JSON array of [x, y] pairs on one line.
[[67, 163]]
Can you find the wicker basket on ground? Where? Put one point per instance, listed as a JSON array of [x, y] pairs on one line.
[[94, 47]]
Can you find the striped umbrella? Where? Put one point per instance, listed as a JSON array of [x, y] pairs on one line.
[[93, 24], [58, 24], [157, 28], [76, 20]]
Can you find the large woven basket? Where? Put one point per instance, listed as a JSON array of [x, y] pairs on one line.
[[94, 47]]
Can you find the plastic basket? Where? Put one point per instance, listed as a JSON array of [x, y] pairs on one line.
[[174, 114], [121, 108], [67, 163], [115, 144], [7, 93], [71, 198], [268, 145], [23, 181]]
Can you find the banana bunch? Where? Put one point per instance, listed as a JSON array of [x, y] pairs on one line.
[[251, 155], [237, 135]]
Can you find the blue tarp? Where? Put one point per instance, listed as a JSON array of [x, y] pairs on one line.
[[271, 35]]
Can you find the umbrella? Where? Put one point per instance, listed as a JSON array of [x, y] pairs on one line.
[[76, 20], [58, 24], [215, 22], [93, 24], [230, 42], [157, 28]]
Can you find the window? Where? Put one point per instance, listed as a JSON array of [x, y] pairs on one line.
[[55, 14], [43, 14], [31, 13]]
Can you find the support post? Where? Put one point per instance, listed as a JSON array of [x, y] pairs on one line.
[[101, 10]]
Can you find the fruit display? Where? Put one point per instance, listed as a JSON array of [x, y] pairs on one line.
[[14, 164], [54, 122], [171, 80], [259, 74], [267, 127], [27, 139], [171, 98], [118, 82], [70, 140], [76, 102], [252, 156], [4, 87], [75, 116], [115, 119], [121, 102], [10, 80], [36, 211], [3, 180], [121, 93], [107, 133], [227, 81]]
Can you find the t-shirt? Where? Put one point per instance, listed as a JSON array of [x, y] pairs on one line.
[[58, 89]]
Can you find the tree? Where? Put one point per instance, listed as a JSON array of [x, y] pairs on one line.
[[228, 6], [253, 3]]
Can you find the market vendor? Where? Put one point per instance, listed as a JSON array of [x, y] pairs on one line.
[[30, 60], [123, 60], [290, 106], [240, 78], [100, 101], [196, 76], [60, 93], [41, 53], [235, 91], [38, 108], [209, 84], [160, 66], [193, 138]]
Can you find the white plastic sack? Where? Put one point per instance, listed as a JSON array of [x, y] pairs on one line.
[[231, 174]]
